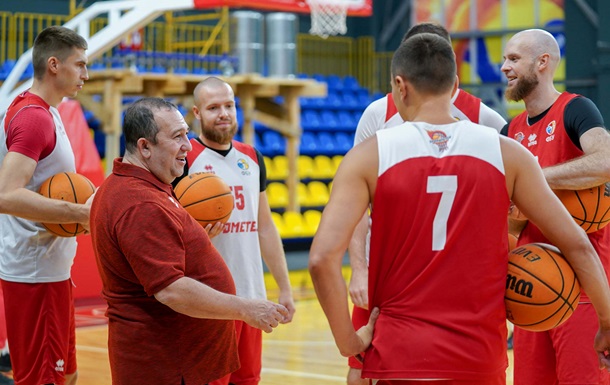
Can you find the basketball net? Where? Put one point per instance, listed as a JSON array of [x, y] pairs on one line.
[[328, 17]]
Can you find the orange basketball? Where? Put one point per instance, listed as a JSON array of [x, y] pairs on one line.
[[590, 207], [542, 290], [70, 187], [206, 197]]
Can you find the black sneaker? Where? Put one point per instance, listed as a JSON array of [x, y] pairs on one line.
[[5, 363]]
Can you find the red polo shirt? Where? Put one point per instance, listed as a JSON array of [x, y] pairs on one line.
[[144, 240]]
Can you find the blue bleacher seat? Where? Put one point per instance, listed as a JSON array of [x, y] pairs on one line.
[[333, 101], [329, 120], [305, 102], [319, 77], [334, 83], [378, 95], [309, 144], [28, 73], [350, 83], [96, 66], [181, 70], [346, 121], [240, 117], [344, 142], [326, 144], [6, 69], [350, 102], [158, 69], [274, 142], [363, 99], [200, 71], [310, 120]]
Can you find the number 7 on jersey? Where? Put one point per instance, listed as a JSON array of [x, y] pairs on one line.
[[446, 185]]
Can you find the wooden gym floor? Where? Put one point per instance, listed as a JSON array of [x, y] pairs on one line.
[[302, 352]]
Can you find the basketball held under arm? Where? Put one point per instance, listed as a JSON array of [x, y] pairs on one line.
[[590, 170], [15, 173], [533, 196]]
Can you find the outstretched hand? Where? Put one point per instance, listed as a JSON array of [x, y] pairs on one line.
[[264, 315]]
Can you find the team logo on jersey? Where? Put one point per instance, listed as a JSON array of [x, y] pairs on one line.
[[244, 166], [550, 131], [532, 140], [519, 136], [241, 163], [439, 138], [208, 168]]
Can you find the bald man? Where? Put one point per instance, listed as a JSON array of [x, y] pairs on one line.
[[566, 133]]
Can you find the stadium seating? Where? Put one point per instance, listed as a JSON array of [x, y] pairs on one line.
[[278, 220], [326, 144], [309, 144], [277, 195], [323, 168], [293, 224], [318, 194], [305, 167], [281, 166], [312, 221]]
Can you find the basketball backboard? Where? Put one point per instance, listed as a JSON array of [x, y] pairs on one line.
[[356, 8]]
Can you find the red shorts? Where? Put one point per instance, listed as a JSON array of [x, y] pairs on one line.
[[500, 380], [41, 333], [360, 317], [250, 351], [563, 355]]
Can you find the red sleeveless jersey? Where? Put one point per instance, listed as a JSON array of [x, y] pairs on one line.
[[438, 258], [548, 140]]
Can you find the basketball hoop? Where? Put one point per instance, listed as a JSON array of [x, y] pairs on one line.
[[328, 17]]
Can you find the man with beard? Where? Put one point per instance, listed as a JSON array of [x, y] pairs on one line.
[[250, 232], [566, 133]]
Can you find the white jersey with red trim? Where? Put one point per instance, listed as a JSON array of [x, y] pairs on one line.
[[238, 244], [28, 252], [382, 114]]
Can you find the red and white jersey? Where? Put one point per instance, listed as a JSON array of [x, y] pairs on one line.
[[382, 113], [438, 260], [28, 252], [549, 142], [238, 244]]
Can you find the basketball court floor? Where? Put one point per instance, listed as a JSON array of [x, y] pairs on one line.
[[302, 352]]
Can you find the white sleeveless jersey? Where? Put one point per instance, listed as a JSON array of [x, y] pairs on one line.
[[382, 114], [239, 243], [28, 252]]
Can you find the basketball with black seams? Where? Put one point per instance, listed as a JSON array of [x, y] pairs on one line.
[[590, 207], [69, 187], [542, 290], [206, 197]]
